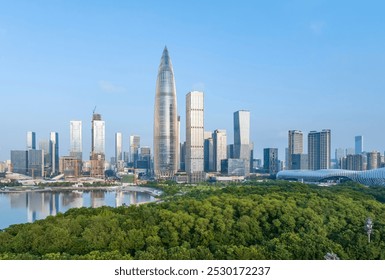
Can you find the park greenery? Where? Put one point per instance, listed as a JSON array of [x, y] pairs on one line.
[[267, 220]]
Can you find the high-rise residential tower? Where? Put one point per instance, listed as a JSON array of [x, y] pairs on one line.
[[295, 146], [194, 162], [54, 143], [242, 145], [319, 149], [165, 121], [220, 148], [359, 144], [31, 140], [76, 146]]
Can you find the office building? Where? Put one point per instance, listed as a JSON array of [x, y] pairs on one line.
[[359, 144], [242, 138], [134, 149], [31, 140], [220, 148], [165, 121], [118, 147], [208, 152], [194, 162], [270, 161], [233, 167], [36, 163], [97, 158], [295, 146], [19, 162], [54, 149], [98, 135], [319, 149], [76, 144], [182, 156]]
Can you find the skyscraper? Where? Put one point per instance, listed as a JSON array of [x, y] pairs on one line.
[[134, 149], [220, 148], [242, 137], [194, 136], [359, 144], [295, 146], [76, 146], [54, 143], [373, 160], [319, 149], [118, 147], [165, 121], [31, 140], [97, 147], [98, 135], [208, 151], [270, 160]]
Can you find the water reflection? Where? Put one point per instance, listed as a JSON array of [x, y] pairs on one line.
[[40, 204]]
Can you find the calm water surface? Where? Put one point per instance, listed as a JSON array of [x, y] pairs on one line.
[[24, 207]]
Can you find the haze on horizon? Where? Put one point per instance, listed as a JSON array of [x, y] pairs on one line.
[[306, 65]]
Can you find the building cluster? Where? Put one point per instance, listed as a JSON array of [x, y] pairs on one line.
[[203, 152], [44, 161], [203, 155]]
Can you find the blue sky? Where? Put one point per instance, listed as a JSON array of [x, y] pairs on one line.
[[304, 65]]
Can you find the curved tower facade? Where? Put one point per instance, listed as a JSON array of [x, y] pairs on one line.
[[165, 121]]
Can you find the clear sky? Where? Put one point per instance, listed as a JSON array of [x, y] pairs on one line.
[[306, 65]]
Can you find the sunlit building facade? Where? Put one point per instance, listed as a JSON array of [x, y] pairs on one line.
[[295, 146], [242, 147], [165, 121], [31, 140], [76, 144], [194, 162], [319, 149], [220, 148], [54, 143]]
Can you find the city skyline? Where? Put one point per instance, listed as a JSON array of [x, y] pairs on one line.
[[301, 66]]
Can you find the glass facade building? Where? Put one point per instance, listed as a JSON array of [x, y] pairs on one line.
[[19, 161], [98, 134], [134, 149], [54, 143], [242, 147], [165, 121], [76, 146], [118, 147], [220, 148], [194, 132], [359, 144], [31, 140], [270, 160]]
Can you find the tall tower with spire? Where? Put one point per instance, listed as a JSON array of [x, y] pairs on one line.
[[165, 121]]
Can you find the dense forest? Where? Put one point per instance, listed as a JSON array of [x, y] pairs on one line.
[[273, 220]]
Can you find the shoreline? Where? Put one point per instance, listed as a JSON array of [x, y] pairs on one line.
[[21, 189]]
